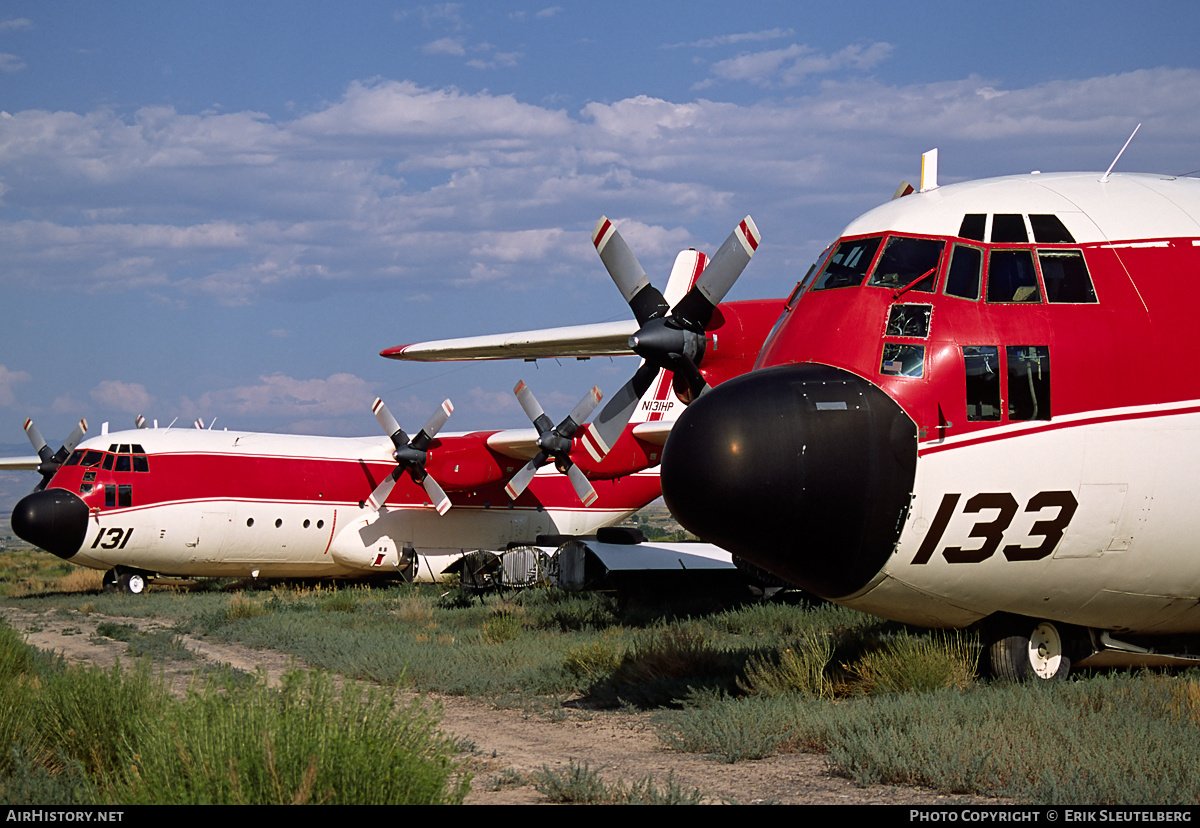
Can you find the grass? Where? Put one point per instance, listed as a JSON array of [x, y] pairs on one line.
[[89, 736], [882, 703], [580, 785]]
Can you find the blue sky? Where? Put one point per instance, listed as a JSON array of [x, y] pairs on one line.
[[227, 209]]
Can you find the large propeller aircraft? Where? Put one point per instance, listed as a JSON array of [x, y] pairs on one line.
[[200, 502], [971, 411]]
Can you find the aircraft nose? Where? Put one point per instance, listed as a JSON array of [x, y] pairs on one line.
[[53, 519], [805, 470]]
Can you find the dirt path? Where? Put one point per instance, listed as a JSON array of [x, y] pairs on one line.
[[510, 743]]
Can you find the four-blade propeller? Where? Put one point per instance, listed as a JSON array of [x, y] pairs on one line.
[[554, 443], [52, 460], [669, 338], [411, 455]]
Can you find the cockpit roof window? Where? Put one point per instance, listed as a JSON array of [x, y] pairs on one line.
[[1049, 229], [973, 225], [1009, 228], [848, 265]]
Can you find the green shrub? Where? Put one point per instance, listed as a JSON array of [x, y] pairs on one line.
[[580, 785], [797, 669], [907, 663], [302, 743]]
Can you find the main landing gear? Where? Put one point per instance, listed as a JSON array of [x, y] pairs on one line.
[[1021, 649], [128, 581]]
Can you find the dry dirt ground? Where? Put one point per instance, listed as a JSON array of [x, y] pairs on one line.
[[511, 743]]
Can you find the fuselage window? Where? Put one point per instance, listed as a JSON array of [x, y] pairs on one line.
[[848, 265], [1066, 276], [92, 458], [124, 463], [1009, 228], [909, 320], [963, 275], [982, 363], [905, 261], [1048, 229], [902, 360], [1012, 277], [140, 463], [804, 283], [124, 496], [107, 465], [1028, 382]]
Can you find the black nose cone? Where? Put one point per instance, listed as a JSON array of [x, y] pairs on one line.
[[804, 470], [53, 519]]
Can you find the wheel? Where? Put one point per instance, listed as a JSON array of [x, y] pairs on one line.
[[111, 581], [132, 583], [1038, 655]]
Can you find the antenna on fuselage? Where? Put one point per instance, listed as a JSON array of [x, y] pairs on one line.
[[1104, 178], [929, 170]]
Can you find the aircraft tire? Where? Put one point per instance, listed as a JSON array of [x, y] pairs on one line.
[[111, 582], [132, 583], [1038, 654]]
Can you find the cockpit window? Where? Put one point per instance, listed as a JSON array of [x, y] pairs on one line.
[[905, 261], [1012, 277], [1066, 276], [848, 265], [963, 275], [804, 283]]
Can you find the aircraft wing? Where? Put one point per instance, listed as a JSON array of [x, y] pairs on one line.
[[20, 463], [579, 341]]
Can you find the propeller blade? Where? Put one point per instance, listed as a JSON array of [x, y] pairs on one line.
[[532, 408], [390, 427], [521, 479], [695, 309], [140, 422], [607, 427], [434, 424], [582, 410], [643, 298], [583, 486], [74, 439], [39, 442], [411, 455], [383, 490]]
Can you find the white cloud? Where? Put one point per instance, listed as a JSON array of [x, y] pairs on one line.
[[428, 189], [445, 46], [10, 63], [281, 395], [792, 65], [129, 397], [8, 379]]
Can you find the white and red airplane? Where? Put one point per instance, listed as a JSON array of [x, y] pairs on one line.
[[195, 502], [972, 410]]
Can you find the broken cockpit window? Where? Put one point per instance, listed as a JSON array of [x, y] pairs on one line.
[[902, 360], [909, 320], [848, 265]]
